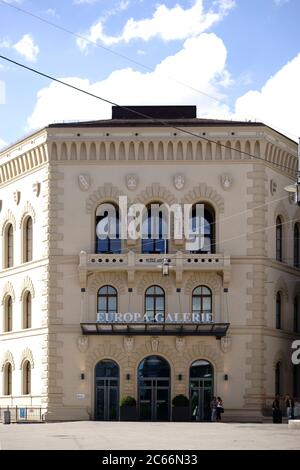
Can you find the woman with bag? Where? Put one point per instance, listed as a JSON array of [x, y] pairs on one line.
[[220, 408]]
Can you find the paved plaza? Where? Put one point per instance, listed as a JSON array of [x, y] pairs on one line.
[[147, 436]]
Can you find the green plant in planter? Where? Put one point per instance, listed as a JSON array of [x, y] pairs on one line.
[[180, 400], [128, 401]]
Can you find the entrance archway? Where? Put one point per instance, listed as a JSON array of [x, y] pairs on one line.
[[107, 390], [154, 389], [201, 389]]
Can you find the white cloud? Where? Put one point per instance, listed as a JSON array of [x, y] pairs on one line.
[[201, 63], [166, 23], [280, 2], [2, 143], [4, 44], [52, 12], [27, 48], [278, 102]]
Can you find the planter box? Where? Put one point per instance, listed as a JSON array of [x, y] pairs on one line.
[[128, 413], [180, 413]]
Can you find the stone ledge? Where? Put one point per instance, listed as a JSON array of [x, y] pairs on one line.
[[294, 424]]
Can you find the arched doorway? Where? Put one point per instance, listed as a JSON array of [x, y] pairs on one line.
[[201, 389], [107, 391], [154, 389]]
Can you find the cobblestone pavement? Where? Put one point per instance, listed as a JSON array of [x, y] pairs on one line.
[[109, 435]]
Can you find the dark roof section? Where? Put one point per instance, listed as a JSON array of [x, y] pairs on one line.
[[154, 112]]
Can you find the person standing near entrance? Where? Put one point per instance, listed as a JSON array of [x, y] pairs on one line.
[[220, 408], [290, 406], [277, 414], [213, 407]]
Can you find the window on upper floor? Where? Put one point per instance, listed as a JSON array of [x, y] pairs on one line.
[[27, 307], [279, 239], [155, 303], [202, 303], [278, 379], [26, 377], [9, 246], [7, 379], [28, 239], [296, 246], [8, 314], [296, 315], [154, 230], [108, 229], [203, 227], [107, 301], [278, 310]]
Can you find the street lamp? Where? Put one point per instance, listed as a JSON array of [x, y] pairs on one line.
[[295, 188]]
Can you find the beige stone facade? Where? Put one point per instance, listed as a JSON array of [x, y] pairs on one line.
[[61, 174]]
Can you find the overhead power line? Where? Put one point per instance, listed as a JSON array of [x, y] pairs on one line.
[[125, 57], [163, 122]]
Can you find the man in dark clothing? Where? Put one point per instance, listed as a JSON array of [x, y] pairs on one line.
[[290, 406], [277, 414]]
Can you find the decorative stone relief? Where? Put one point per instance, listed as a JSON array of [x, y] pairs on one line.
[[17, 196], [83, 343], [225, 344], [154, 344], [128, 343], [226, 180], [273, 187], [36, 188], [132, 181], [84, 181], [179, 181], [180, 344]]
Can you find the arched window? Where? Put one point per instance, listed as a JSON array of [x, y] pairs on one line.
[[28, 240], [278, 239], [296, 246], [278, 378], [155, 229], [155, 303], [26, 370], [27, 310], [8, 314], [202, 303], [296, 315], [278, 311], [202, 227], [7, 379], [9, 246], [108, 229], [107, 302]]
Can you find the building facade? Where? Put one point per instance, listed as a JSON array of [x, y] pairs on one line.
[[58, 278]]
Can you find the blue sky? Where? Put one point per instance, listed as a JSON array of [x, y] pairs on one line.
[[245, 54]]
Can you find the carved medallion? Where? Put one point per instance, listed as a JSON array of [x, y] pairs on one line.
[[179, 181], [36, 188], [226, 181], [154, 344], [180, 344], [17, 197], [84, 181], [273, 187], [225, 344], [83, 343], [132, 181], [128, 343]]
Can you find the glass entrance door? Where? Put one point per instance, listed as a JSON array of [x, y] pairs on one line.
[[154, 389], [107, 391], [201, 390]]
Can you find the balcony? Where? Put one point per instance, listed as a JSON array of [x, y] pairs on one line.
[[131, 262]]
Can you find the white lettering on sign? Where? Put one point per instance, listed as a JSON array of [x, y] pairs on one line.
[[129, 317]]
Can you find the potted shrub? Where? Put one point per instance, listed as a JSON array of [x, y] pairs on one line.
[[180, 408], [128, 411]]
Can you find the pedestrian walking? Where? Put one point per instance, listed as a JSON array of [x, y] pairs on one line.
[[220, 408], [213, 408]]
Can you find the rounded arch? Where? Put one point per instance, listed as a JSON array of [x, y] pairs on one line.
[[107, 368], [106, 351], [202, 367], [106, 193], [150, 279], [8, 290], [281, 211], [155, 192], [7, 358], [116, 280], [160, 366], [26, 356], [281, 286], [206, 352], [210, 280], [27, 286], [28, 211], [205, 193], [8, 218]]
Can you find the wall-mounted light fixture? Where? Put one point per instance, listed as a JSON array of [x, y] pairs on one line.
[[226, 377], [82, 376], [127, 376], [179, 376]]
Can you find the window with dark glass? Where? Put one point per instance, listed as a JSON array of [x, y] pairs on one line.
[[154, 230], [7, 379], [9, 246], [27, 310], [202, 303], [296, 380], [28, 240], [296, 246], [26, 378], [155, 303], [8, 313], [278, 239], [296, 315], [108, 230], [278, 311], [107, 301], [202, 225], [278, 379]]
